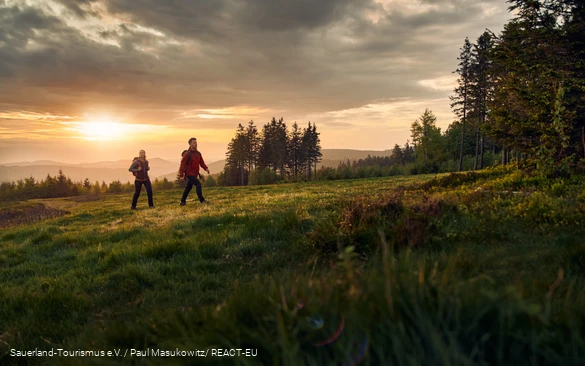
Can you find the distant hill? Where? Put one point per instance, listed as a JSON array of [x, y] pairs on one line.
[[159, 168], [344, 154], [36, 162], [101, 171]]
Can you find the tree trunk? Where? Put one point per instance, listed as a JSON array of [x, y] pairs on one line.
[[462, 139], [481, 152], [315, 170], [476, 148]]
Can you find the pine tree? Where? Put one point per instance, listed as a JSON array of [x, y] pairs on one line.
[[295, 150], [460, 102], [95, 190], [427, 137], [311, 148], [236, 158], [253, 146], [397, 155], [87, 185], [480, 72], [315, 146]]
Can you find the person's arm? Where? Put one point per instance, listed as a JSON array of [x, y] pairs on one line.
[[147, 166], [134, 166], [202, 163], [183, 163]]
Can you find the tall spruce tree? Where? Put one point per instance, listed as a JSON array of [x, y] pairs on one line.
[[295, 156], [481, 89], [460, 101]]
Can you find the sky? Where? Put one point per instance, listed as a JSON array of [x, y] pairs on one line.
[[97, 80]]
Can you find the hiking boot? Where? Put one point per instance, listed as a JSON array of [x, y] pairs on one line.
[[205, 202], [153, 206], [183, 203], [132, 208]]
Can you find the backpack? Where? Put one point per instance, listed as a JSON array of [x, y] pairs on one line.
[[134, 173]]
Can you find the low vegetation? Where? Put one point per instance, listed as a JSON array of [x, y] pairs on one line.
[[475, 268]]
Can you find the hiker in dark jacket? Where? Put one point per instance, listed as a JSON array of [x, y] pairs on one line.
[[190, 163], [140, 169]]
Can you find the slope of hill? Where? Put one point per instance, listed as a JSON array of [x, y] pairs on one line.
[[101, 171], [345, 272]]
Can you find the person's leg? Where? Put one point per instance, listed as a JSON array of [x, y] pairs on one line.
[[198, 189], [137, 188], [187, 190], [148, 186]]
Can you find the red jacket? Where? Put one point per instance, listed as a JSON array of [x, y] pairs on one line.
[[191, 169]]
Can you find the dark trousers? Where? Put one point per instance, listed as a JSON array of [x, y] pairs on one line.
[[193, 181], [138, 185]]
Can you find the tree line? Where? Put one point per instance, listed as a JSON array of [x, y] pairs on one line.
[[524, 89], [270, 155], [520, 96]]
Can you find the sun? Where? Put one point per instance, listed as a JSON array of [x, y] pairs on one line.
[[102, 129]]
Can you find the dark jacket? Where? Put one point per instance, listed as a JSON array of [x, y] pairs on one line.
[[141, 175], [191, 169]]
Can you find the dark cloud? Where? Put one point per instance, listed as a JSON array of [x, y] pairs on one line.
[[80, 8], [283, 15], [180, 17]]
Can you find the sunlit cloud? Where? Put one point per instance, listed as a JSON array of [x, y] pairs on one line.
[[223, 113], [442, 83], [107, 130], [33, 116], [394, 114]]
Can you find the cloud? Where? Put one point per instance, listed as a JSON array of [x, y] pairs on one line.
[[443, 83], [385, 115], [194, 64]]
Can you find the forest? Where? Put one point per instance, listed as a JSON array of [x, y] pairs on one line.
[[519, 97]]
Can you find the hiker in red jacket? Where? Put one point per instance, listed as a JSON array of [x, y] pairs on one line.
[[140, 170], [190, 163]]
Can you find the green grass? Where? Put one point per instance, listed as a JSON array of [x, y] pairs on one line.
[[485, 268]]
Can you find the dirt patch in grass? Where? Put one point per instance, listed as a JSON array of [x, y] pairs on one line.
[[28, 213]]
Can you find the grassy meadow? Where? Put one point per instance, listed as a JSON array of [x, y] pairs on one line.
[[463, 269]]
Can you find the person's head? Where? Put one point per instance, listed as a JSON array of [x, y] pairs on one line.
[[142, 154], [193, 143]]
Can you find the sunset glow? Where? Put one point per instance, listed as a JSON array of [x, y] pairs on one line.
[[107, 129], [98, 80], [102, 130]]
